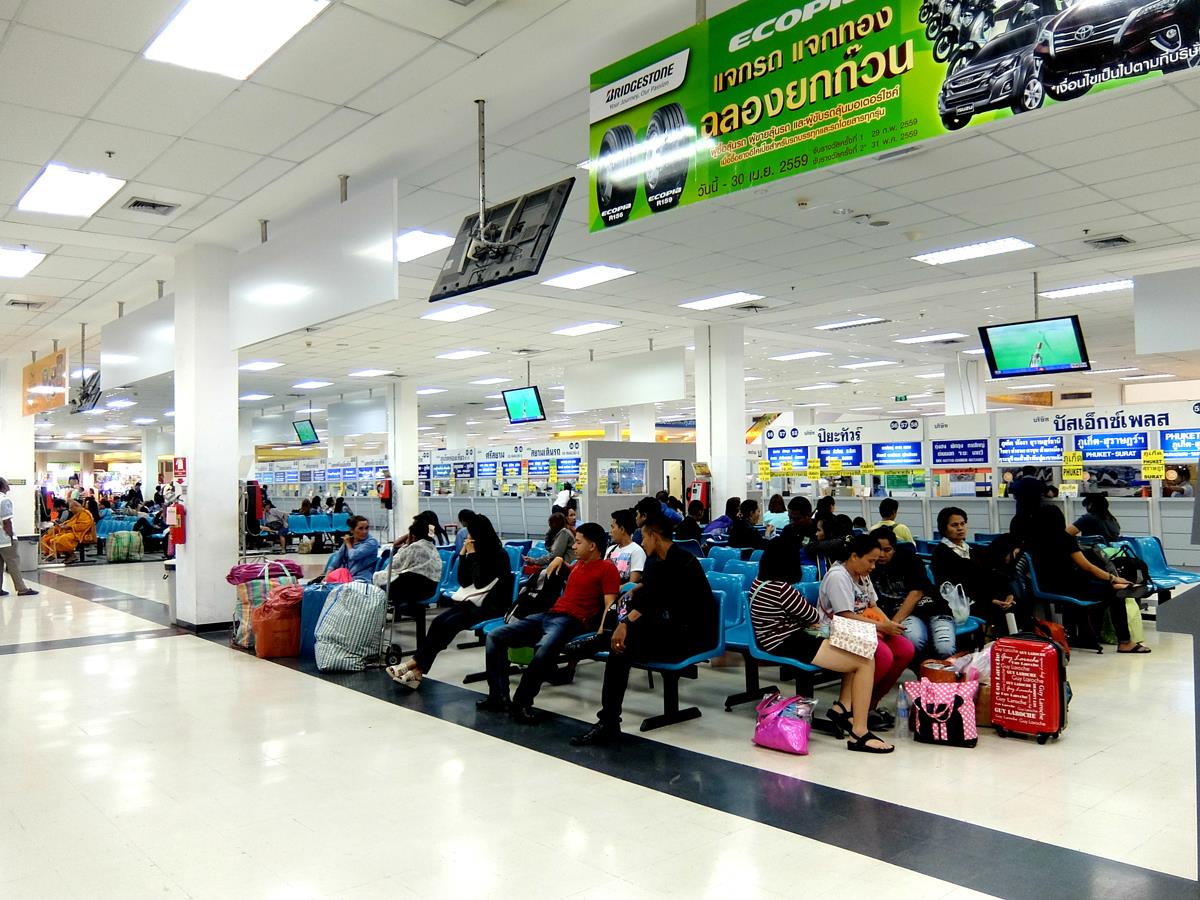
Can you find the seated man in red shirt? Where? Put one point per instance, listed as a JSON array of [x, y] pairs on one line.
[[593, 585]]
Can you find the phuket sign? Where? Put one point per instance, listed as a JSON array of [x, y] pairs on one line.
[[773, 88]]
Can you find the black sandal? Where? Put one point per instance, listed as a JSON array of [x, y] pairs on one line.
[[1136, 648], [840, 720], [859, 744]]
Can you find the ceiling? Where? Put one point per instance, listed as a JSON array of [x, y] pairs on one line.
[[378, 88]]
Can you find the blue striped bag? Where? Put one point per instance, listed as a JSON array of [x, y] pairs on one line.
[[350, 628]]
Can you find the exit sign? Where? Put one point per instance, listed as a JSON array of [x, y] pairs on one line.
[[900, 398]]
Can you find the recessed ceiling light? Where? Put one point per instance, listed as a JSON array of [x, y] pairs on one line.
[[1143, 377], [83, 373], [64, 192], [250, 398], [585, 328], [850, 323], [144, 421], [557, 387], [169, 414], [416, 243], [752, 378], [824, 386], [457, 313], [369, 373], [1016, 382], [931, 338], [811, 404], [424, 428], [1083, 290], [440, 416], [723, 300], [1112, 371], [493, 409], [973, 251], [116, 359], [582, 278], [792, 357], [259, 366], [931, 375], [279, 294], [120, 403], [231, 37], [427, 392], [755, 402], [978, 351], [311, 385], [491, 380], [932, 403], [870, 364], [18, 263]]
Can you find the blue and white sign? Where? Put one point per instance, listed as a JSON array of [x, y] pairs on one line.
[[1047, 449], [319, 474], [849, 454], [333, 474], [960, 453], [292, 477], [568, 467], [897, 454], [366, 473], [381, 472], [510, 468], [797, 456], [266, 477], [1181, 443], [486, 469], [1126, 445], [464, 470], [441, 470], [539, 468], [423, 471]]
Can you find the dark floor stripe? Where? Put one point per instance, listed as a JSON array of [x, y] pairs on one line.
[[983, 859], [149, 610], [90, 641]]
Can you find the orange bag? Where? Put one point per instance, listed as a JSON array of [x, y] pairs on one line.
[[276, 623], [875, 614]]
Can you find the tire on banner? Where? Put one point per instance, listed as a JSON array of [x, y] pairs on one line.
[[667, 163], [614, 197]]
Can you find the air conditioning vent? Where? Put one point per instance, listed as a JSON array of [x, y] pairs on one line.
[[24, 304], [151, 207], [1076, 395], [751, 307], [1108, 242], [463, 2]]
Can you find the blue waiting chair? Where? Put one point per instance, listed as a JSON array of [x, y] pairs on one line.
[[1149, 549], [692, 547], [707, 563], [985, 537], [972, 628], [321, 524], [1028, 574], [747, 571], [515, 562], [385, 559], [722, 555], [298, 524], [809, 574], [753, 654], [418, 611], [340, 523], [523, 546], [737, 620]]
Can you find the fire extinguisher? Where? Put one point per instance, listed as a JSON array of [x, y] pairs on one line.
[[179, 526]]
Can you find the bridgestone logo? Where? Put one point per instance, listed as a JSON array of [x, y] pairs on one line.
[[639, 87], [630, 87]]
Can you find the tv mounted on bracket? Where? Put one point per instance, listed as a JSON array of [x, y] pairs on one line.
[[306, 433], [1035, 348], [524, 405]]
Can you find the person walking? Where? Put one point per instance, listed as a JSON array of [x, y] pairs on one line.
[[9, 558]]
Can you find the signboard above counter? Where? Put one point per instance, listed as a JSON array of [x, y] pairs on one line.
[[1030, 449]]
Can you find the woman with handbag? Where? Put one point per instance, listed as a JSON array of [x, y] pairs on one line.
[[955, 567], [848, 601], [783, 623], [485, 576]]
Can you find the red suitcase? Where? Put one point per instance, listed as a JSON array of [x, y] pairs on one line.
[[1029, 687]]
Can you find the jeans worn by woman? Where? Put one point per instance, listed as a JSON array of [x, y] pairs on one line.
[[939, 628]]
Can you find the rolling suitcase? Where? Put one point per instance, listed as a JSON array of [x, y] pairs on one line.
[[1029, 687]]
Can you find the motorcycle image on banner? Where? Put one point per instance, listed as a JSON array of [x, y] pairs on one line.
[[768, 89]]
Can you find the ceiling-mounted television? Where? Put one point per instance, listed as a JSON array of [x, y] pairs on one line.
[[306, 433], [517, 233], [1039, 347], [524, 405]]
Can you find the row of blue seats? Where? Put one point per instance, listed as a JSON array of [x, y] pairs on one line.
[[325, 523]]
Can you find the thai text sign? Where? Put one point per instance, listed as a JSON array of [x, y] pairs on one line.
[[960, 453], [1181, 443], [847, 455], [1031, 449], [1120, 446], [795, 456], [892, 455]]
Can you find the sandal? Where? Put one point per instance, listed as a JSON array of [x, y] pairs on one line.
[[859, 743], [411, 678], [397, 672], [840, 720], [1136, 648]]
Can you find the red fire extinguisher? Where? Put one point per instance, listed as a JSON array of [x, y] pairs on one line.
[[179, 526]]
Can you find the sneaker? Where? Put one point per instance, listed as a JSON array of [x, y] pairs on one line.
[[598, 734]]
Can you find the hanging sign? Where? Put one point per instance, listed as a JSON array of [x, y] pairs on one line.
[[786, 468], [1069, 490], [797, 457], [1180, 443], [539, 468], [960, 453], [441, 470], [814, 468], [835, 465], [764, 470], [846, 455], [1153, 465], [567, 467], [464, 470], [44, 383], [485, 469], [266, 477], [423, 471], [896, 454], [292, 476], [1048, 449], [1073, 466], [867, 468], [511, 468], [1126, 445]]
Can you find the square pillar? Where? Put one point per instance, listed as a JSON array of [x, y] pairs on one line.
[[721, 409], [966, 393], [156, 442], [16, 445], [402, 452], [641, 422], [206, 434]]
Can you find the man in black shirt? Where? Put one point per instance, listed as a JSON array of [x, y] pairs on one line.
[[670, 616], [1027, 491], [907, 597]]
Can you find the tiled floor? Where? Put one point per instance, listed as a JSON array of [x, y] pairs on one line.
[[175, 767]]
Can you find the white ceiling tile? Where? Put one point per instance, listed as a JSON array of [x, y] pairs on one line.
[[55, 72], [32, 135], [510, 174], [171, 234], [57, 266], [501, 22], [314, 63], [436, 63], [8, 8], [36, 284], [14, 178], [136, 258], [436, 19], [203, 213], [333, 127], [567, 143], [255, 178], [87, 149], [86, 290], [193, 166], [101, 225], [160, 97], [259, 119], [81, 252], [128, 25]]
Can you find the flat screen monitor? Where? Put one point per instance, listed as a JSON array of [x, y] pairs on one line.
[[1035, 348], [524, 405], [305, 432]]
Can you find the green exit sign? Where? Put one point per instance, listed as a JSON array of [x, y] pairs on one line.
[[900, 398]]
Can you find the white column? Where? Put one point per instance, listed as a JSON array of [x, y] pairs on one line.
[[87, 470], [966, 393], [16, 445], [721, 409], [402, 451], [156, 442], [612, 431], [803, 416], [335, 446], [641, 422], [206, 434], [456, 432], [246, 443]]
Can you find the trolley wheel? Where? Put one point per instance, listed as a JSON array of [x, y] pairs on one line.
[[1001, 732], [393, 655], [1042, 738]]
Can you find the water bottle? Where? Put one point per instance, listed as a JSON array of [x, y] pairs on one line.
[[902, 732]]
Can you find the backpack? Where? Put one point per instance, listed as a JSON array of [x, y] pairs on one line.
[[537, 595]]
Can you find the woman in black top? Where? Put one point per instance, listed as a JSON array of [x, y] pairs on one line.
[[1062, 568], [483, 560], [1097, 521], [742, 532]]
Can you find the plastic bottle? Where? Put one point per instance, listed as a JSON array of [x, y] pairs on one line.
[[902, 732]]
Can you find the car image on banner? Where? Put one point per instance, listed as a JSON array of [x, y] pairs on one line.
[[775, 88]]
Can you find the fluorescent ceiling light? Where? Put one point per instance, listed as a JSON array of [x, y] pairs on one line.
[[259, 366], [64, 192], [279, 294], [491, 380], [426, 392], [823, 386], [1143, 377], [850, 323], [18, 263], [807, 405], [931, 338], [424, 428], [144, 421], [416, 243], [933, 403], [231, 37], [999, 409], [585, 328], [493, 409], [440, 416], [976, 352], [582, 278], [311, 385], [755, 402], [1016, 382], [792, 357], [931, 375], [83, 373], [369, 373], [1083, 290], [170, 414], [121, 403], [457, 313], [116, 359], [462, 354], [557, 387], [973, 251], [1112, 371], [870, 364], [250, 398], [723, 300]]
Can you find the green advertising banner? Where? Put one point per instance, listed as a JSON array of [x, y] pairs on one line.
[[770, 89]]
